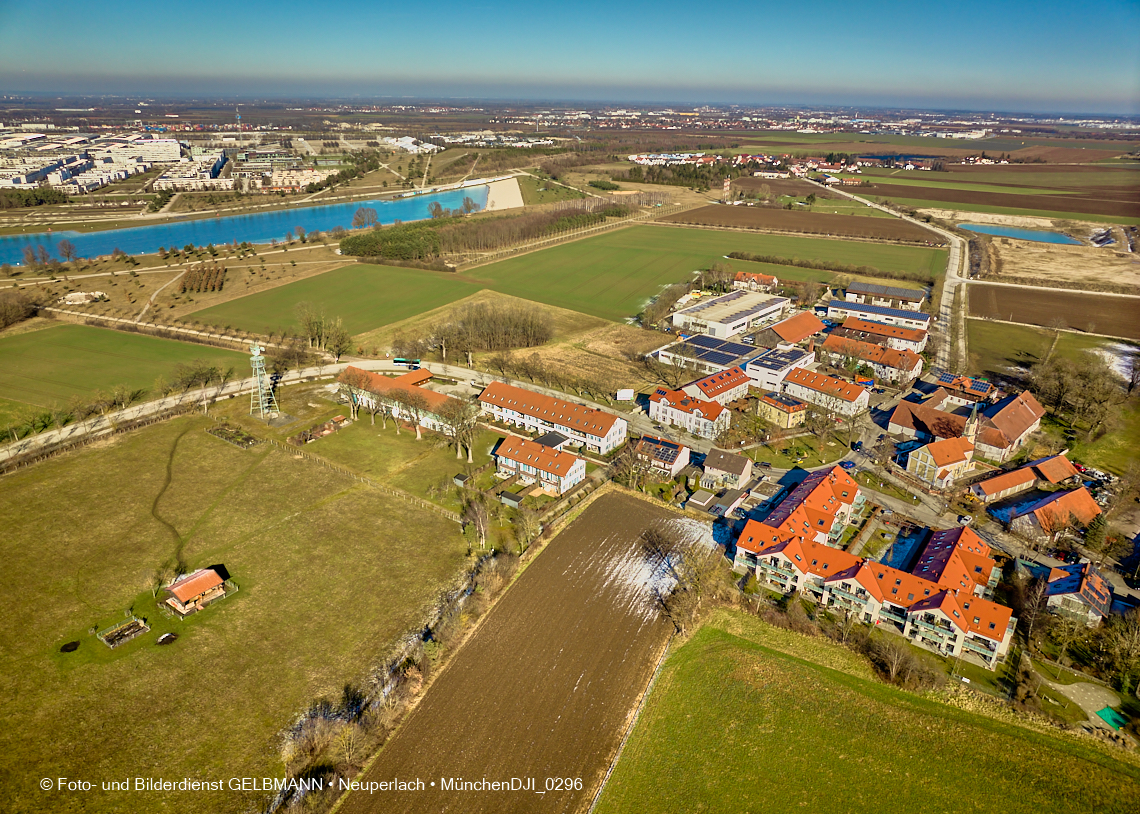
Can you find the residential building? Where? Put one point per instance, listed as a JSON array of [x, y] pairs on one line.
[[783, 411], [910, 299], [816, 510], [1079, 591], [754, 281], [729, 314], [596, 430], [193, 592], [886, 363], [1002, 428], [768, 370], [676, 408], [726, 470], [952, 621], [960, 560], [724, 387], [666, 458], [1055, 512], [831, 394], [840, 310], [941, 463], [391, 393], [554, 470], [893, 336], [964, 390]]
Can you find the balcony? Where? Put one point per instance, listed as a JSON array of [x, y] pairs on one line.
[[856, 598], [941, 630], [779, 569], [979, 646]]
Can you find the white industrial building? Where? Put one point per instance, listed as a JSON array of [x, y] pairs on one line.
[[730, 314], [768, 370]]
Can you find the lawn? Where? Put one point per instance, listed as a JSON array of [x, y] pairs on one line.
[[801, 452], [424, 468], [364, 296], [539, 191], [735, 725], [331, 573], [614, 274], [51, 366]]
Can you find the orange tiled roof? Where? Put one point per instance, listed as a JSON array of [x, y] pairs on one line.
[[824, 384], [717, 383], [194, 585], [544, 459], [799, 327], [409, 382], [565, 413], [1007, 480], [881, 329], [1076, 503], [685, 403], [949, 451], [1055, 469], [755, 277], [900, 359]]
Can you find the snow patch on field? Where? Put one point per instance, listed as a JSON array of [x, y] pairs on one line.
[[1119, 356], [637, 584]]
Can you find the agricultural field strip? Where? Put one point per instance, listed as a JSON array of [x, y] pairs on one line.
[[731, 699], [546, 682], [965, 186]]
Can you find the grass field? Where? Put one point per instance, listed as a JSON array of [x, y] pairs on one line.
[[536, 191], [50, 366], [917, 203], [734, 724], [613, 275], [330, 573], [363, 295], [996, 347]]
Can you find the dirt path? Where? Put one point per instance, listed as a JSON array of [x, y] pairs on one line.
[[544, 688]]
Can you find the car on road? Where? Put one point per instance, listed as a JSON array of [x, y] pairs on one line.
[[764, 464], [858, 445], [848, 465]]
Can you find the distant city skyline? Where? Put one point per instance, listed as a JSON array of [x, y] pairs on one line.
[[1048, 57]]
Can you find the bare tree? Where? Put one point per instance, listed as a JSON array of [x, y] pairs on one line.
[[461, 421], [477, 516], [412, 404], [355, 384], [67, 250], [338, 340], [364, 218], [1064, 633]]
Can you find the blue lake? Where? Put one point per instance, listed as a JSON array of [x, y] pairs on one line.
[[262, 227], [1022, 234]]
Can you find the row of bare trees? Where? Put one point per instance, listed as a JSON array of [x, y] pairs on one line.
[[323, 333], [479, 326], [1085, 390]]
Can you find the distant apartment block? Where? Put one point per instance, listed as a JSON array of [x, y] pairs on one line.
[[706, 419], [831, 394], [910, 299], [840, 310]]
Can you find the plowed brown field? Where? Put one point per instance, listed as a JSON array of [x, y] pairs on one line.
[[812, 223], [1095, 313], [544, 688], [1107, 201]]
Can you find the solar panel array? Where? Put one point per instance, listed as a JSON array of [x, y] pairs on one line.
[[726, 298], [715, 351], [664, 451], [971, 385]]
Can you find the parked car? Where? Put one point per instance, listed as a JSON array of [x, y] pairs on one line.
[[858, 445], [848, 465], [764, 464], [965, 519]]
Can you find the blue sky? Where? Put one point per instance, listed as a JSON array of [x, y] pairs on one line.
[[1016, 56]]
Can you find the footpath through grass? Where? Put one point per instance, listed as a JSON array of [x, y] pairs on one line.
[[48, 367], [735, 724], [330, 572]]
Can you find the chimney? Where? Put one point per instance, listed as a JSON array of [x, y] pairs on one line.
[[811, 345]]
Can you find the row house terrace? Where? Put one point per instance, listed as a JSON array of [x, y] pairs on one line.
[[596, 430], [554, 470]]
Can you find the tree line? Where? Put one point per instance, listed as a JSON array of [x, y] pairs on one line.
[[35, 196], [831, 265], [1084, 391], [431, 239], [480, 326]]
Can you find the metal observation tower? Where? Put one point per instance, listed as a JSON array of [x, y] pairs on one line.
[[261, 400]]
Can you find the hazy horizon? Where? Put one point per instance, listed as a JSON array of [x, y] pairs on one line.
[[972, 56]]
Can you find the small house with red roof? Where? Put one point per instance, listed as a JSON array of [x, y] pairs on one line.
[[754, 281], [1054, 512], [193, 592]]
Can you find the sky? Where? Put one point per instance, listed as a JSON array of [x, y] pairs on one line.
[[1043, 57]]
